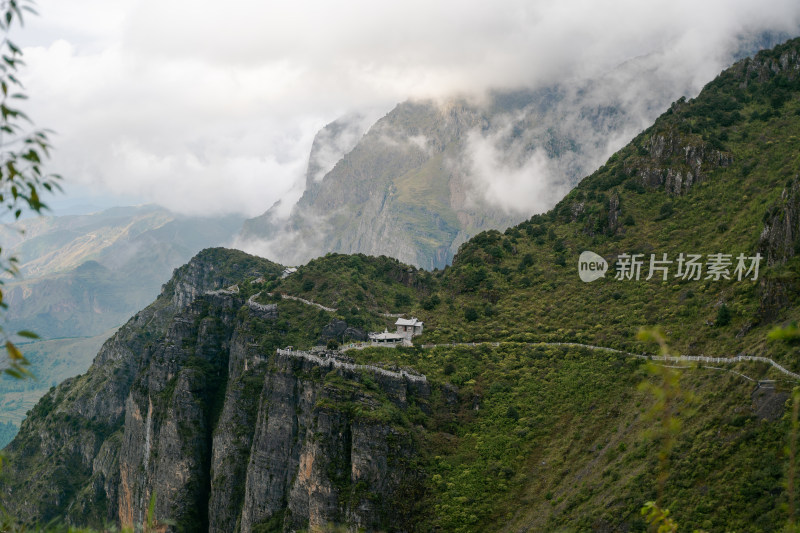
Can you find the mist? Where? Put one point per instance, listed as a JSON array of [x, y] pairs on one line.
[[211, 111]]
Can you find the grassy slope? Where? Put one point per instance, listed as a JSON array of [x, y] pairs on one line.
[[723, 213], [555, 438]]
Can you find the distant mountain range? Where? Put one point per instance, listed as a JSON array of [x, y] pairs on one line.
[[82, 275], [427, 176]]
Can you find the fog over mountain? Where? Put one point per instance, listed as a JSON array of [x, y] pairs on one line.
[[210, 111], [432, 173]]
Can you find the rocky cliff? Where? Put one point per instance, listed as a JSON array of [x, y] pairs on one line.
[[189, 401], [395, 192]]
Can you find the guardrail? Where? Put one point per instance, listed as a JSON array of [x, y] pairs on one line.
[[323, 361]]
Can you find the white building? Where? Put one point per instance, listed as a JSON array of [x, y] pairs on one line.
[[408, 327]]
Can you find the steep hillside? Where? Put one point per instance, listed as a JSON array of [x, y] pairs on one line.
[[52, 361], [717, 174], [510, 413], [188, 383]]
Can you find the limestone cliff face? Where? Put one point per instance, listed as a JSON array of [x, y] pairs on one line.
[[186, 403], [676, 161], [321, 455], [779, 242]]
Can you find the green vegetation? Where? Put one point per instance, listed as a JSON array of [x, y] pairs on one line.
[[378, 284], [519, 433], [529, 273], [556, 438], [52, 361]]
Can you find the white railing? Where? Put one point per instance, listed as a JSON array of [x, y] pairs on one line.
[[267, 308], [671, 358], [734, 359], [326, 361], [307, 302]]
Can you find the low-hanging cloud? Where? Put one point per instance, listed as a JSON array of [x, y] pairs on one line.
[[530, 185], [209, 110]]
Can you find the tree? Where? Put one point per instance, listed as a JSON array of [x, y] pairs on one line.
[[723, 316], [23, 149]]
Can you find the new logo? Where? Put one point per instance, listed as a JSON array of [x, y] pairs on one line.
[[591, 266]]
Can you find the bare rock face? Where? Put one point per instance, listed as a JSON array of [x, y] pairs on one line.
[[677, 161], [761, 68], [768, 403], [779, 242], [323, 455], [184, 405], [781, 234], [339, 329]]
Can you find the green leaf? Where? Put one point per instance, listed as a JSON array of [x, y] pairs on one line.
[[13, 351], [27, 334]]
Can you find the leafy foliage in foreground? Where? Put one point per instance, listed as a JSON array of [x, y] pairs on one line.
[[22, 154]]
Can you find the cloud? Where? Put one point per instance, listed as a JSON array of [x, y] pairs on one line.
[[206, 109], [287, 245]]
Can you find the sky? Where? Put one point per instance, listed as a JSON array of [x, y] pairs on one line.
[[210, 108]]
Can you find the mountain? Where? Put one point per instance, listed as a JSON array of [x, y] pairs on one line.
[[393, 193], [525, 404], [81, 277], [429, 175]]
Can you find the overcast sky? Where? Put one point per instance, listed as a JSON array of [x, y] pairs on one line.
[[211, 107]]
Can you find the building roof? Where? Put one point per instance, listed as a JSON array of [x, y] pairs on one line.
[[408, 322], [385, 336]]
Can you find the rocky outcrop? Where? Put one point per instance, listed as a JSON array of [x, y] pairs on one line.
[[780, 238], [188, 405], [783, 59], [778, 243], [677, 161], [340, 330], [614, 212], [322, 452]]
